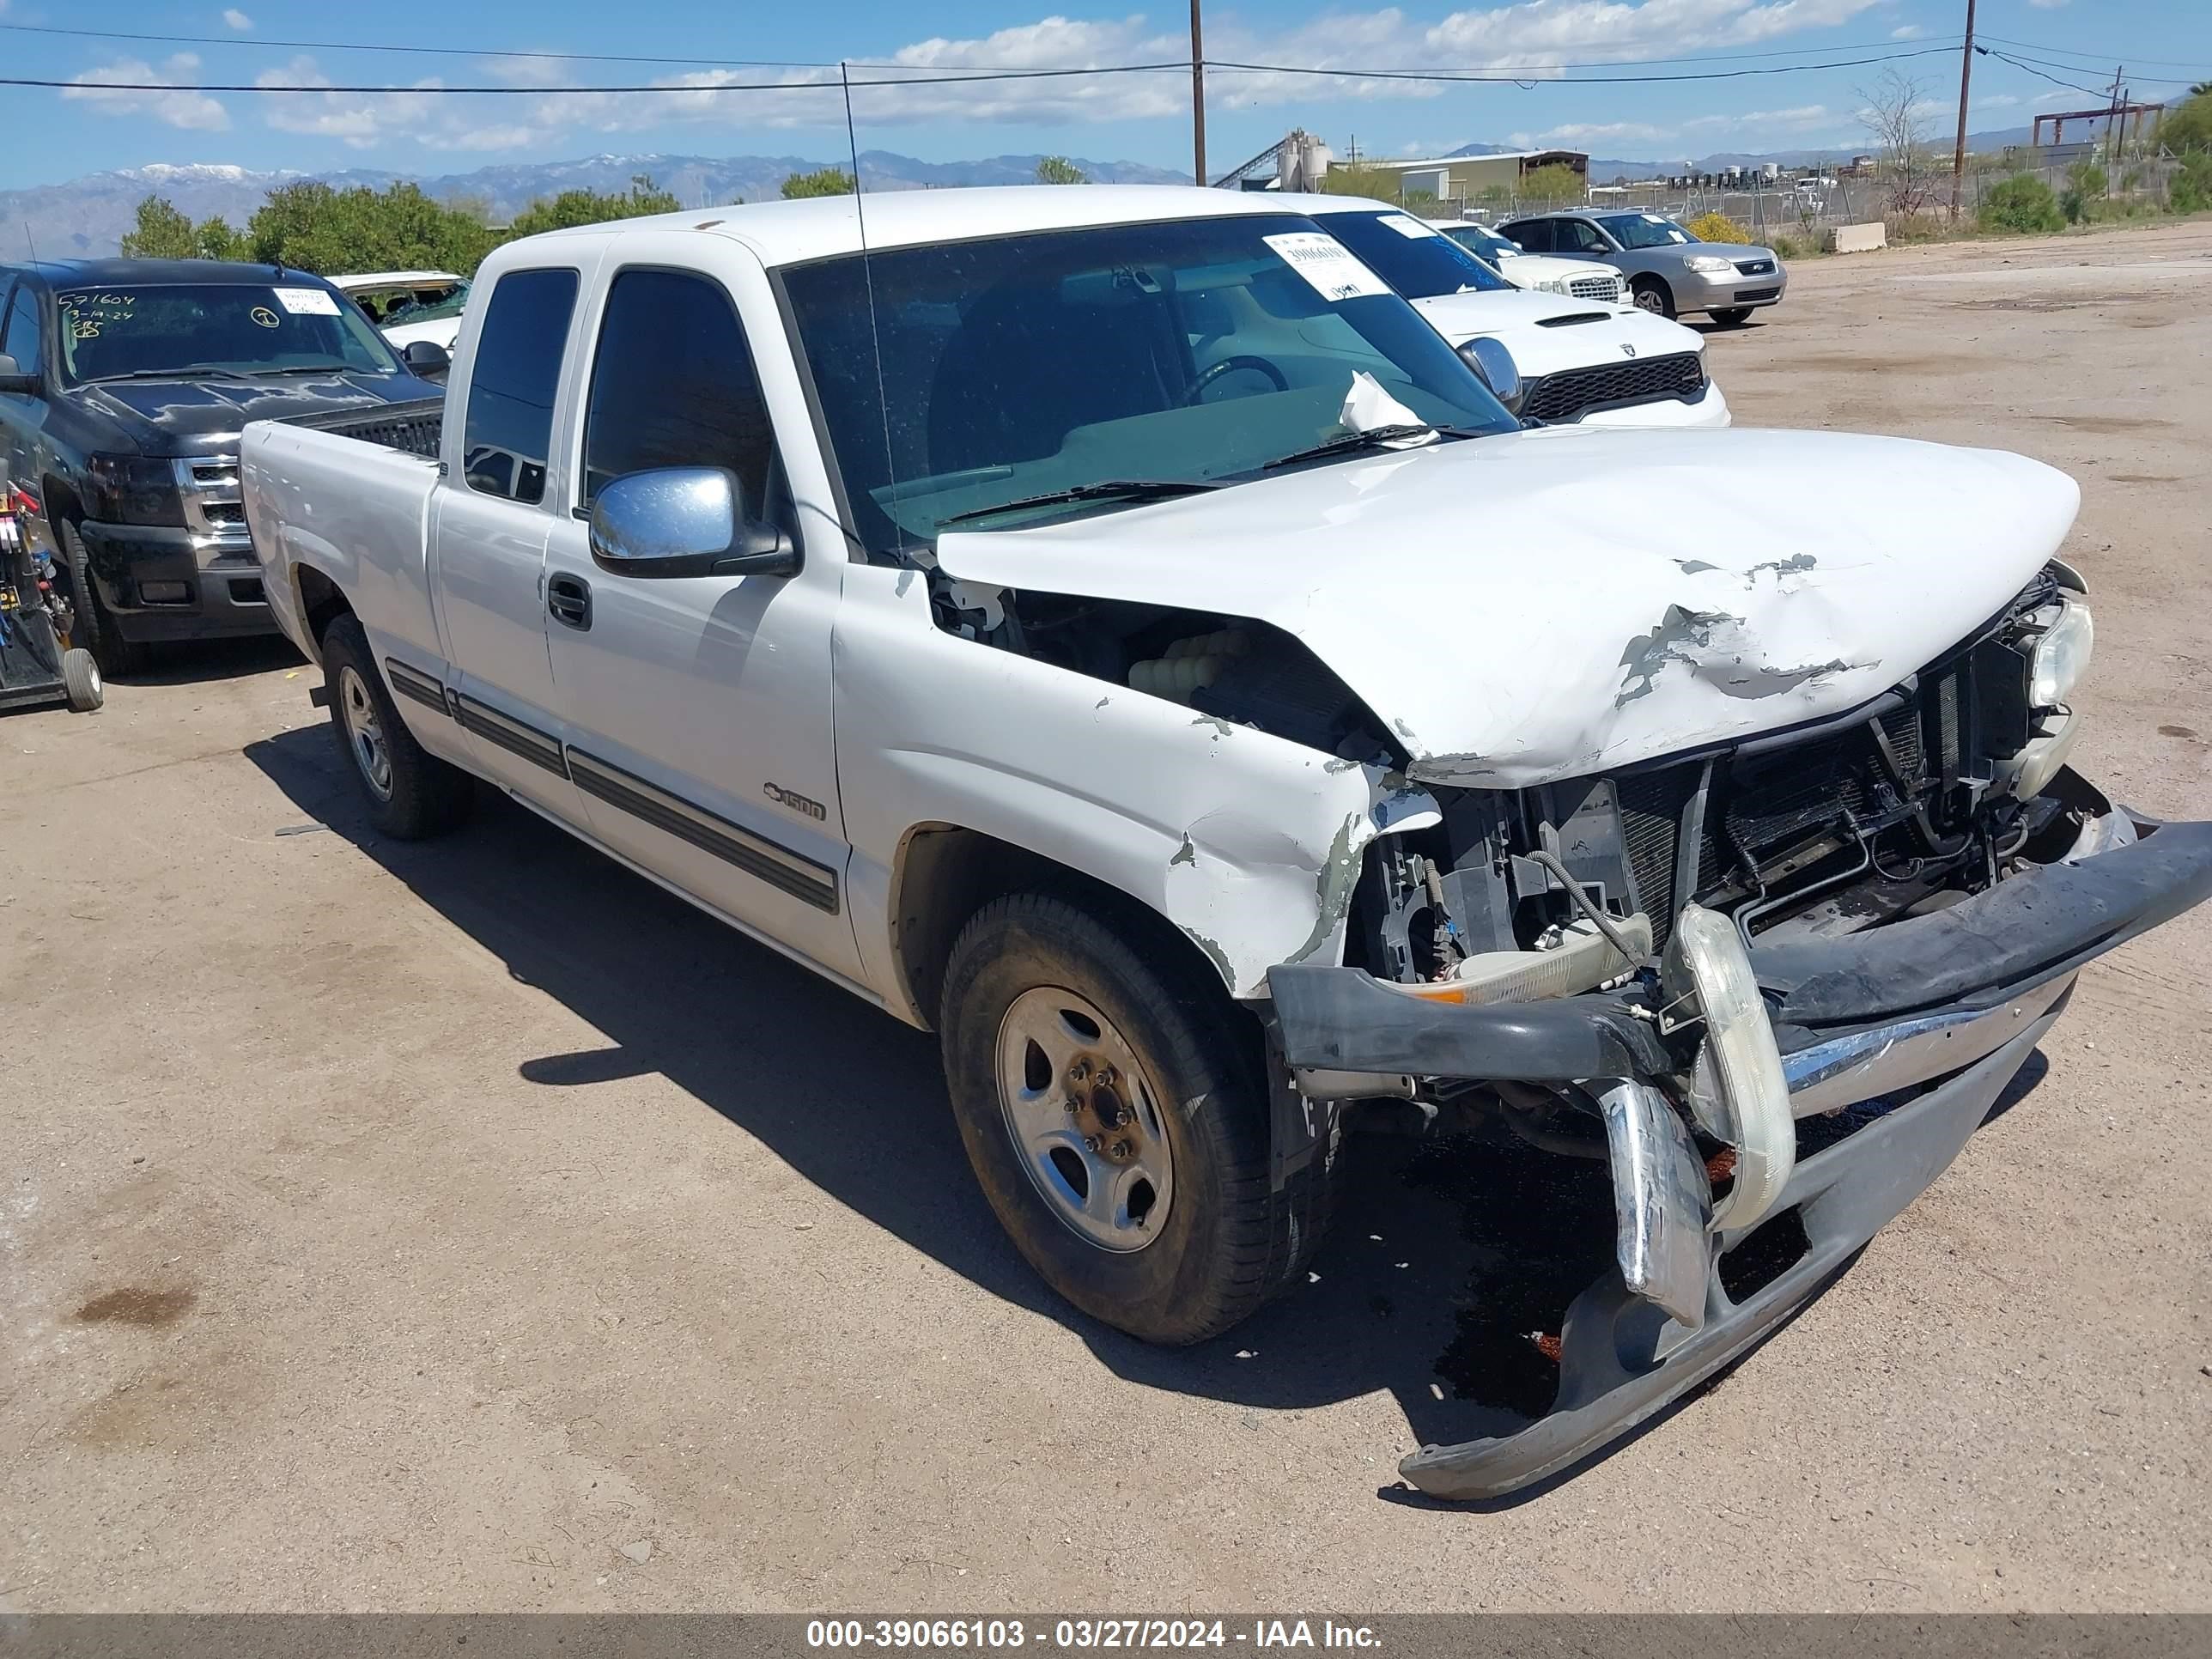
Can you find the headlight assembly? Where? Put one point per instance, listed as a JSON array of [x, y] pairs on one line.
[[2061, 656], [1709, 264], [132, 489]]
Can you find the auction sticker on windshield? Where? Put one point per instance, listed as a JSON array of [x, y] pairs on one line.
[[1327, 265], [307, 302], [1405, 225]]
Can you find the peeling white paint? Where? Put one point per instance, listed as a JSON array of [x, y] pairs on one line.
[[1526, 569]]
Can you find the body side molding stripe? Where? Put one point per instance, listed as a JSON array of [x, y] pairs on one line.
[[779, 866], [413, 683]]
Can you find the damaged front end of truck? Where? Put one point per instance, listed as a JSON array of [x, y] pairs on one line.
[[1776, 985], [1754, 876]]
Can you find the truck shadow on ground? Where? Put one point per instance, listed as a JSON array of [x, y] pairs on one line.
[[1447, 1254], [197, 661]]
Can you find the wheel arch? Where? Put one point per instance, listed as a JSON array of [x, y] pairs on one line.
[[944, 873], [321, 601]]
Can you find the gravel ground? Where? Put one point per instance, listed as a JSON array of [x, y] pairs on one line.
[[470, 1225]]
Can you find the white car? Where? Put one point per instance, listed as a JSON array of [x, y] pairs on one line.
[[1579, 279], [1576, 362], [407, 305], [1057, 618]]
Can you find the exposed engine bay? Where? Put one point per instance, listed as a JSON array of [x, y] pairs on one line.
[[1899, 807]]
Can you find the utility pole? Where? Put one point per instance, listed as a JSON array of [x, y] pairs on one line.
[[1197, 95], [1965, 79], [2112, 115]]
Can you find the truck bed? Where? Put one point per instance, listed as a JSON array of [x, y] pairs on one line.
[[351, 493], [413, 427]]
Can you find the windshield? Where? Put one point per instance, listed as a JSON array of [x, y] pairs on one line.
[[1634, 230], [1022, 365], [1482, 241], [244, 328], [1416, 259], [428, 311]]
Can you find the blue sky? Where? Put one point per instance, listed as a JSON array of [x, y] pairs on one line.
[[555, 114]]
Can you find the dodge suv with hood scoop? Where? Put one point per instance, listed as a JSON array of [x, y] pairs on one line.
[[1054, 615], [122, 387]]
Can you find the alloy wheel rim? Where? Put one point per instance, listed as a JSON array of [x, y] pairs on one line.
[[1087, 1123], [365, 732]]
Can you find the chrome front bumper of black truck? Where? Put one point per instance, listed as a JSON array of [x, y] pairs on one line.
[[1910, 1032]]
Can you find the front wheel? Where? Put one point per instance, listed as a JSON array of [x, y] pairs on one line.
[[1655, 296], [1113, 1104], [94, 625], [1731, 317]]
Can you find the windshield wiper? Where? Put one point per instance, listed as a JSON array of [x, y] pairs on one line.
[[1370, 438], [299, 368], [190, 371], [1135, 490]]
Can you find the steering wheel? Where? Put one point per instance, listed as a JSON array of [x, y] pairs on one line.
[[1229, 366]]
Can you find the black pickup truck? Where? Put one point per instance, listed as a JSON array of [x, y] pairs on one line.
[[124, 385]]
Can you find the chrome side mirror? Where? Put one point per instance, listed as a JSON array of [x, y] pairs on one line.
[[1494, 367], [685, 521]]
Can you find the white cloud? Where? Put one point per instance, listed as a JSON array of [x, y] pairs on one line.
[[1799, 117], [2046, 5], [237, 19], [359, 120], [1909, 32], [194, 111], [1582, 135]]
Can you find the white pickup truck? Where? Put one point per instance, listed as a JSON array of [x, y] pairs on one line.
[[1056, 616]]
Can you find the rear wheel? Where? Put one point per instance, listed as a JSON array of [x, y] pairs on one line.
[[1113, 1107], [1731, 317], [1655, 296], [94, 625], [81, 679], [410, 792]]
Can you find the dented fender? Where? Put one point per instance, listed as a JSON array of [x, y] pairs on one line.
[[1248, 844]]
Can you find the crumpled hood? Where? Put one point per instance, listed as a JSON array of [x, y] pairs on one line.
[[174, 417], [1551, 604], [1518, 319]]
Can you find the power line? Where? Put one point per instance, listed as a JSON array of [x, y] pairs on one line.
[[510, 91], [1525, 78], [2096, 60], [145, 38]]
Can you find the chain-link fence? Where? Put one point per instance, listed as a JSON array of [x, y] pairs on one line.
[[1805, 210]]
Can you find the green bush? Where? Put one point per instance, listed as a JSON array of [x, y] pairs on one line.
[[1716, 228], [2191, 189], [2021, 204], [823, 181]]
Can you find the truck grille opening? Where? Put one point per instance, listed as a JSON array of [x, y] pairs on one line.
[[1595, 288], [1759, 808], [1573, 393]]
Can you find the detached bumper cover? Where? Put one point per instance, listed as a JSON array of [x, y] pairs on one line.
[[1950, 1004]]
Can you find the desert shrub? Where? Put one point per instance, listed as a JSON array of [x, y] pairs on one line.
[[2021, 204], [2191, 191], [1716, 228]]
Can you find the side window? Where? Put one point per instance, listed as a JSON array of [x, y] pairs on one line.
[[1534, 236], [509, 431], [22, 340], [673, 385], [1577, 237]]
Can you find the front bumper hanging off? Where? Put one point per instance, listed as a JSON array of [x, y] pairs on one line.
[[1942, 1009]]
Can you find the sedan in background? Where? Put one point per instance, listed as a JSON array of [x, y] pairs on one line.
[[1669, 271], [1575, 279]]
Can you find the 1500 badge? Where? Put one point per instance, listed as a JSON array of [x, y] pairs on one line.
[[794, 800]]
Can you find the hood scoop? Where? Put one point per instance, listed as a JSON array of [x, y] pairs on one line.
[[1575, 317]]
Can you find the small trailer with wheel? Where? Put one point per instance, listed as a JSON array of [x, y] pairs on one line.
[[37, 662]]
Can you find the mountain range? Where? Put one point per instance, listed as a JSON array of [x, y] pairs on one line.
[[85, 217]]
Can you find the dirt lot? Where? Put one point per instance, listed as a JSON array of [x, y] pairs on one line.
[[471, 1225]]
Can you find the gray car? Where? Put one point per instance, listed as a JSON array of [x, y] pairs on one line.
[[1669, 271]]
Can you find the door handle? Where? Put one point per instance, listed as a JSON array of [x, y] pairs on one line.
[[569, 598]]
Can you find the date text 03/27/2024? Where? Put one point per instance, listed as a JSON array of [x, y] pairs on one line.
[[1085, 1634]]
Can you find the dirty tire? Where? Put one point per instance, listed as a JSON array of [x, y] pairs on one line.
[[1654, 295], [1227, 1242], [81, 679], [420, 795], [1731, 316], [95, 628]]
